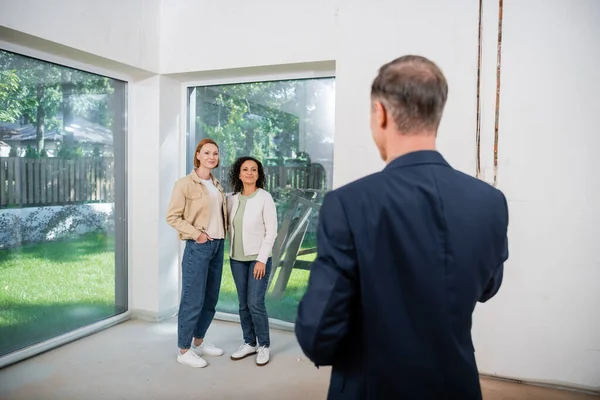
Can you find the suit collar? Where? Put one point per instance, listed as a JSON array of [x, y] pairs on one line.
[[418, 158]]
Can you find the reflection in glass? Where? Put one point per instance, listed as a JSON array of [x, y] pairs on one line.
[[62, 135], [288, 125]]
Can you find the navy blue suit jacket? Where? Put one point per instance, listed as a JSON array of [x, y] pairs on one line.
[[403, 257]]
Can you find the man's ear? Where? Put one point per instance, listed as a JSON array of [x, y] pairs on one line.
[[381, 114]]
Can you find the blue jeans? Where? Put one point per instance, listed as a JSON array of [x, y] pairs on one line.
[[201, 271], [251, 296]]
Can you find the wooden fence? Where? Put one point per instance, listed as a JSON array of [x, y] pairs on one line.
[[311, 177], [33, 182], [36, 182]]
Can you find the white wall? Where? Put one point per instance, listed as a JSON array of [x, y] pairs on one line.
[[371, 34], [357, 34], [201, 35], [169, 168], [144, 189], [154, 161], [544, 324], [123, 31]]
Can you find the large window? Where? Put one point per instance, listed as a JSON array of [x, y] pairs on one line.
[[288, 125], [62, 200]]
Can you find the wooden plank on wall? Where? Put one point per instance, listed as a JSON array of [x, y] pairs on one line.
[[19, 180], [98, 180], [72, 181], [77, 183], [43, 180], [282, 177], [55, 172], [94, 196], [3, 183], [65, 182], [61, 180], [108, 181], [12, 198], [84, 180], [29, 180], [104, 180], [36, 180]]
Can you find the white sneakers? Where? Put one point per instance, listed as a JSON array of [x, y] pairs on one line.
[[192, 357], [207, 349], [246, 349], [263, 356]]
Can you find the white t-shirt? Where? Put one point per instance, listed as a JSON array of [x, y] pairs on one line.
[[215, 221]]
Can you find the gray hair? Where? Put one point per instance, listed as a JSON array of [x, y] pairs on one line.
[[414, 90]]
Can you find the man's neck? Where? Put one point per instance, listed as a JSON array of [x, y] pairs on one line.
[[404, 144]]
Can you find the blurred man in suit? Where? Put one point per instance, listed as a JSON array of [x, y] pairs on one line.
[[403, 257]]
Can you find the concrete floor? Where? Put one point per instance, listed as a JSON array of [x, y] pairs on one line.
[[136, 360]]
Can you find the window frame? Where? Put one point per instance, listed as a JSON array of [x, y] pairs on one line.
[[315, 70], [121, 216]]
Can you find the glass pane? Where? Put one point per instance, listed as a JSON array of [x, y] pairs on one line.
[[62, 142], [288, 125]]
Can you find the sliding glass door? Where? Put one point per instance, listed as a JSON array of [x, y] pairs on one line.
[[62, 200], [288, 125]]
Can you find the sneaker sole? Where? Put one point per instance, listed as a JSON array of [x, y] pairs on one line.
[[241, 358], [192, 366], [262, 365]]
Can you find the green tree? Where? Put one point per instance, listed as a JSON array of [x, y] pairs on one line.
[[9, 92], [278, 122], [250, 118], [48, 96], [38, 94]]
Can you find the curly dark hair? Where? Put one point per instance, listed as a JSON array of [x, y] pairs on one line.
[[234, 174]]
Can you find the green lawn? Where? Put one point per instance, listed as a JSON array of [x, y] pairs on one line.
[[51, 288]]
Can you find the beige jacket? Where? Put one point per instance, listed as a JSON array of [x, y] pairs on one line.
[[189, 208]]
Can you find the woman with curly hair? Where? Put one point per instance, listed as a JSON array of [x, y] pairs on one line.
[[253, 229]]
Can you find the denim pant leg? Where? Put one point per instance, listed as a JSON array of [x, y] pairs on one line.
[[194, 271], [213, 287], [257, 288], [240, 271]]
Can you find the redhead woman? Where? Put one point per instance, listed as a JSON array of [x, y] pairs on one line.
[[198, 212], [253, 229]]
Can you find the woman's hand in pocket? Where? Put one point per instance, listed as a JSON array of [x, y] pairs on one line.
[[259, 270], [203, 238]]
